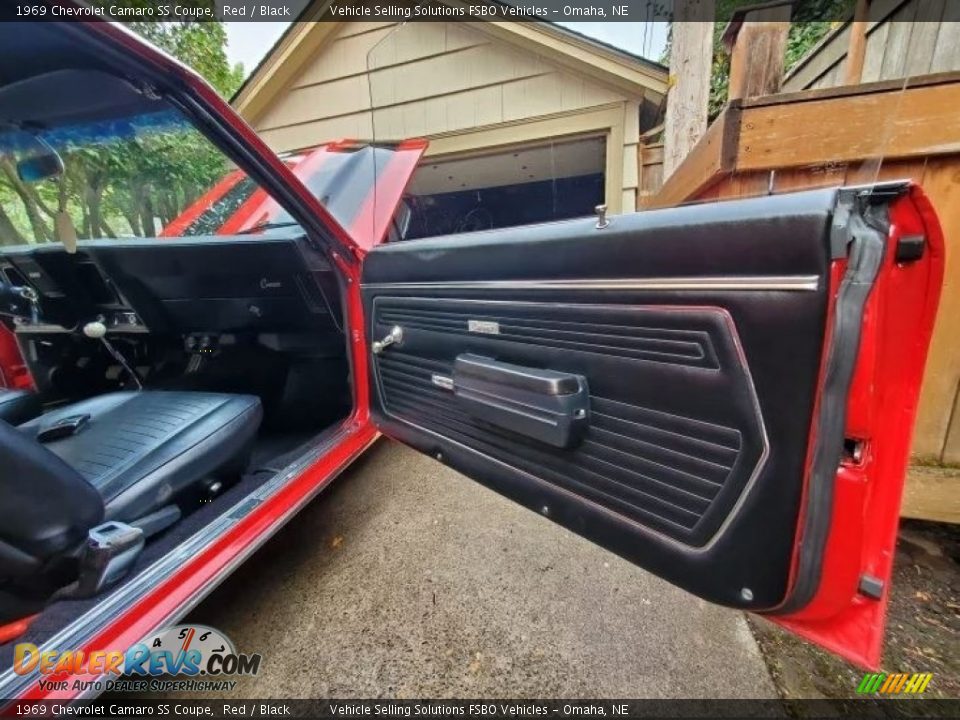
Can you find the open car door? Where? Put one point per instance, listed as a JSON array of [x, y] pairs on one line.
[[723, 394]]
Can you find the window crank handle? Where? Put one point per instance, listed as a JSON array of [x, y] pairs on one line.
[[394, 337], [31, 296]]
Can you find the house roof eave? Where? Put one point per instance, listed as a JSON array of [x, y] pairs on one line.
[[594, 58]]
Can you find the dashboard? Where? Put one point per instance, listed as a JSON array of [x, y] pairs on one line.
[[63, 290], [217, 284]]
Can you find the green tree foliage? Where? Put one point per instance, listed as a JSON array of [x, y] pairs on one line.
[[201, 45], [130, 186]]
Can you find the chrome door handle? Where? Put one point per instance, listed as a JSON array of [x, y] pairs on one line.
[[394, 337]]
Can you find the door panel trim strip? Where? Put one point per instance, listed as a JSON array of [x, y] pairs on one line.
[[804, 283]]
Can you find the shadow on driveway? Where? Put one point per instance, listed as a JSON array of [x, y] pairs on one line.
[[405, 579]]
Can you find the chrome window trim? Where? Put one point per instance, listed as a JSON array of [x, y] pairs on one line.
[[786, 283]]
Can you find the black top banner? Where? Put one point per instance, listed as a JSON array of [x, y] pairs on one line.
[[409, 10], [337, 10]]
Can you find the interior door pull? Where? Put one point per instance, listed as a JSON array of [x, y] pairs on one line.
[[394, 337], [546, 405]]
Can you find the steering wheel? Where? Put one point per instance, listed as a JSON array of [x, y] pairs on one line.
[[17, 300], [477, 219]]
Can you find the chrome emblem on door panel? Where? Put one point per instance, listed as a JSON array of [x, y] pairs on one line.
[[487, 327], [442, 381]]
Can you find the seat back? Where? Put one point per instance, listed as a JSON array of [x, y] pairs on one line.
[[46, 507], [18, 406]]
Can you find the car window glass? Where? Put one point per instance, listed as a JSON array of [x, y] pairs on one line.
[[518, 137], [807, 118], [131, 166], [472, 177]]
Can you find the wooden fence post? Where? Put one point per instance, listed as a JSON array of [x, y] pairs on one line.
[[691, 57], [858, 44], [756, 39]]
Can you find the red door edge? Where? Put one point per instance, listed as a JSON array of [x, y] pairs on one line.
[[881, 410]]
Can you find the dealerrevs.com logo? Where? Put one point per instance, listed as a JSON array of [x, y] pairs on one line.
[[183, 651]]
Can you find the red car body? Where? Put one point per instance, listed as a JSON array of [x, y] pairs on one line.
[[881, 404], [179, 225], [258, 208]]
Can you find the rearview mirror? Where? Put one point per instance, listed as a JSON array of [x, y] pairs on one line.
[[42, 166]]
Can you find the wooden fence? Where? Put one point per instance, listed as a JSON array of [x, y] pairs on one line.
[[650, 172], [851, 135], [902, 38]]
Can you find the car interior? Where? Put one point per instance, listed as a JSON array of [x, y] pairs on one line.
[[171, 376]]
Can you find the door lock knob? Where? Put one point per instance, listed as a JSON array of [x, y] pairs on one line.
[[394, 337]]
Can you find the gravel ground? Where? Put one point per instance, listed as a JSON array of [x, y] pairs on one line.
[[923, 625]]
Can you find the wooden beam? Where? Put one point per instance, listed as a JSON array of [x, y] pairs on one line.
[[691, 57], [787, 131], [916, 122], [710, 160], [881, 86], [756, 65], [858, 43], [932, 493]]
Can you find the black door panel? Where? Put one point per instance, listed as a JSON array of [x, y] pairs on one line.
[[701, 351], [674, 434]]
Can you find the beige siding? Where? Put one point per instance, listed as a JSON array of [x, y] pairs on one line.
[[904, 38], [631, 170], [436, 80]]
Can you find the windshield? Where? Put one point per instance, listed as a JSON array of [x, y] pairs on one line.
[[88, 155], [131, 170]]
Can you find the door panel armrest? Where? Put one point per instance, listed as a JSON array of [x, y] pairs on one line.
[[546, 405]]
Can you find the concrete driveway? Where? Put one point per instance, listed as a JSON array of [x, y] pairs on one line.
[[406, 579]]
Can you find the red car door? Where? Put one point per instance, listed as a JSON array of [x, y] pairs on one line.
[[722, 394]]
